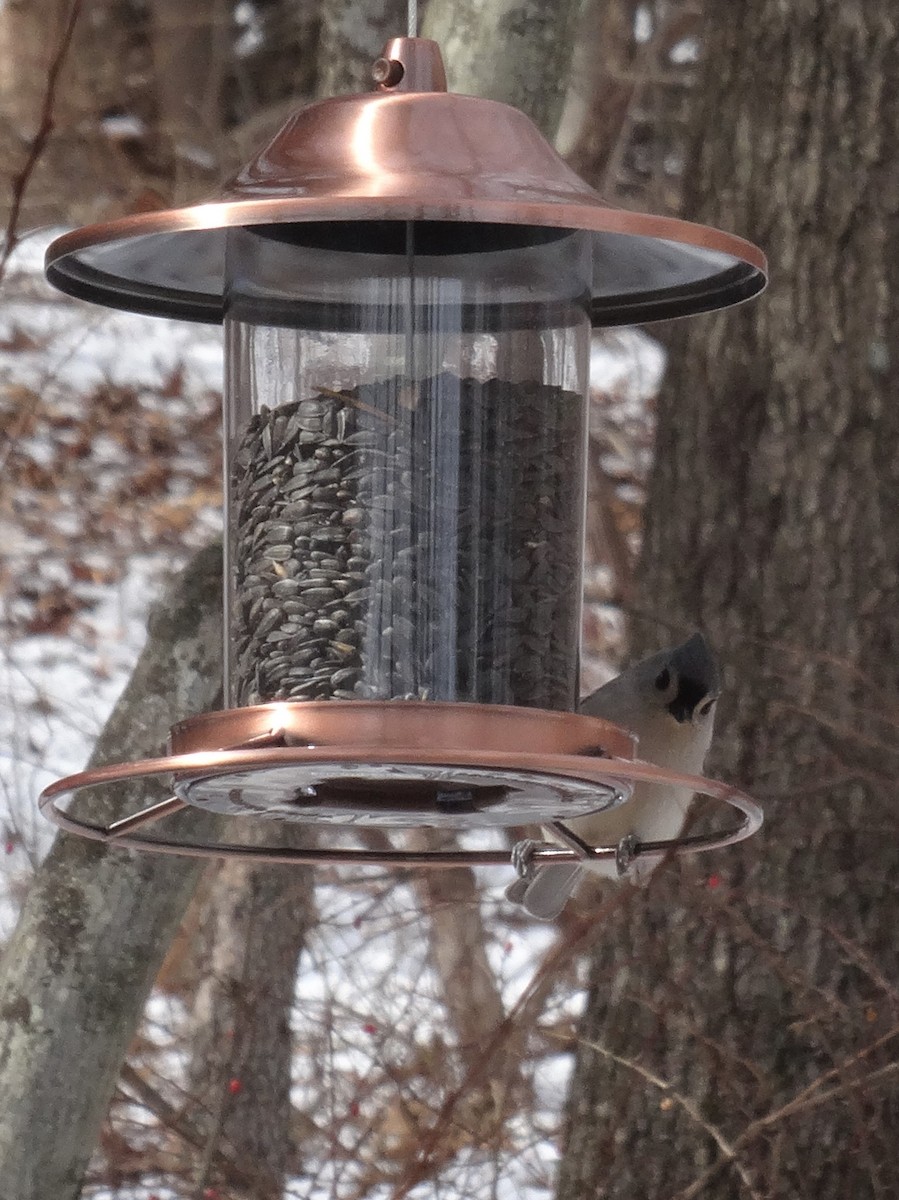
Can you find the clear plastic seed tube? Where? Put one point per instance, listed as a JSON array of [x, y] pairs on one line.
[[405, 435]]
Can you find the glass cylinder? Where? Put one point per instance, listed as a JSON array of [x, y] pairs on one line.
[[405, 448]]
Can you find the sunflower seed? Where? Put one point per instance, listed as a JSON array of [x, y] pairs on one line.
[[356, 537]]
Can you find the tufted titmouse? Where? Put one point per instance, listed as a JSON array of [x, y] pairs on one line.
[[668, 701]]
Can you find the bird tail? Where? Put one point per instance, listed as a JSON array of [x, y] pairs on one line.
[[546, 894]]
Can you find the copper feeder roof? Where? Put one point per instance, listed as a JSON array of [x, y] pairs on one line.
[[409, 151]]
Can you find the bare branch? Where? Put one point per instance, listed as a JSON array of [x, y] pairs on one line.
[[177, 1122], [728, 1149], [809, 1098], [38, 142]]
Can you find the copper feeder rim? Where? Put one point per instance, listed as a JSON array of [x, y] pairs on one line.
[[588, 767], [410, 151]]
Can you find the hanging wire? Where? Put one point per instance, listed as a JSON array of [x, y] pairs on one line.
[[412, 17]]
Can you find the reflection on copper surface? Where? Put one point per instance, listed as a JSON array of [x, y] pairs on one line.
[[465, 730], [406, 724], [410, 153], [362, 141]]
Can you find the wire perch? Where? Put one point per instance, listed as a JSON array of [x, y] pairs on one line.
[[571, 773]]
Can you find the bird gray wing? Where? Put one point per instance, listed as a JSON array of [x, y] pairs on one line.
[[547, 893]]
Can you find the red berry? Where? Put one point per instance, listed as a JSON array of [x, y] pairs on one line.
[[714, 881], [10, 846], [354, 1108], [211, 1194], [234, 1086], [369, 1028]]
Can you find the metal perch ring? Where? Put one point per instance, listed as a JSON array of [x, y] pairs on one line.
[[582, 778]]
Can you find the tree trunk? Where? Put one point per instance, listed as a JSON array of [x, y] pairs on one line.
[[351, 38], [97, 922], [191, 52], [516, 51], [458, 942], [459, 953], [241, 1047], [274, 77], [625, 124], [767, 975], [600, 87]]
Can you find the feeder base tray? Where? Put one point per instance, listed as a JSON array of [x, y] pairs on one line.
[[405, 763], [388, 794], [393, 763]]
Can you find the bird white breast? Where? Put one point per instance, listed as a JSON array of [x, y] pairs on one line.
[[655, 812]]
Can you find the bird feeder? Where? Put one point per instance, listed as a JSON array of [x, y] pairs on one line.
[[407, 281]]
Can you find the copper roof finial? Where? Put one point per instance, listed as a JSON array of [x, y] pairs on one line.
[[410, 64]]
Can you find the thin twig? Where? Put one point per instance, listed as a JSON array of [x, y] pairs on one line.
[[855, 952], [169, 1116], [519, 1017], [728, 1149], [804, 1101], [38, 142], [809, 1097]]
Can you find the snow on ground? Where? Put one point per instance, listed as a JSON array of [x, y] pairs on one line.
[[102, 495]]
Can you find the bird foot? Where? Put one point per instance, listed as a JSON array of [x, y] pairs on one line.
[[523, 857], [625, 854]]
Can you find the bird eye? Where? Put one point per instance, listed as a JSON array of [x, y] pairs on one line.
[[663, 679], [706, 707]]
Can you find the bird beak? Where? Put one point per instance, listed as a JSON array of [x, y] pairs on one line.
[[681, 711]]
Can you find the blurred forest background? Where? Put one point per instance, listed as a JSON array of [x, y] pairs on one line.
[[231, 1033]]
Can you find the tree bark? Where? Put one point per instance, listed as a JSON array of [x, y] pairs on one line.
[[241, 1048], [600, 87], [351, 38], [97, 922], [191, 52], [516, 51], [767, 975]]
